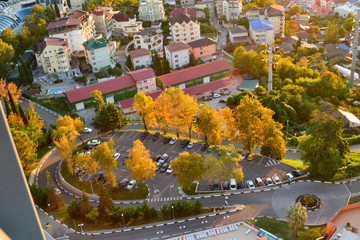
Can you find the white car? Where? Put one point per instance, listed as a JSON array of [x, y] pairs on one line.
[[94, 142], [88, 153], [250, 184], [116, 156], [289, 176], [229, 152], [163, 158], [173, 140], [169, 170], [276, 179], [87, 130], [131, 184], [191, 144], [216, 95], [57, 191], [268, 182]]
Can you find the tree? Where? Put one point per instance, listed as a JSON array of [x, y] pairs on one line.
[[329, 85], [39, 194], [98, 99], [209, 124], [103, 155], [331, 33], [6, 55], [10, 38], [56, 7], [165, 65], [349, 23], [142, 106], [10, 87], [109, 118], [88, 5], [188, 168], [294, 10], [85, 205], [274, 144], [250, 62], [157, 64], [296, 216], [54, 199], [193, 61], [105, 203], [244, 21], [25, 147], [93, 215], [73, 209], [91, 165], [139, 163], [129, 63], [324, 148]]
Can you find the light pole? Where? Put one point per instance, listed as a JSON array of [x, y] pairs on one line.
[[172, 207], [344, 172], [81, 225], [122, 215], [287, 126], [295, 141], [49, 205]]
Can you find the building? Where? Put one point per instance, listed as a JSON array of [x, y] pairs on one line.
[[103, 19], [149, 39], [13, 15], [200, 74], [275, 14], [345, 10], [76, 4], [53, 55], [74, 30], [125, 23], [229, 9], [177, 54], [184, 26], [238, 35], [152, 10], [115, 89], [140, 58], [187, 2], [62, 5], [202, 47], [349, 119], [98, 54], [261, 31]]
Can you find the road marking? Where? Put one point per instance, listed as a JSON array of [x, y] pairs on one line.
[[190, 219], [148, 226], [138, 228], [126, 230], [181, 221], [170, 223], [160, 225], [202, 217], [118, 231], [107, 232]]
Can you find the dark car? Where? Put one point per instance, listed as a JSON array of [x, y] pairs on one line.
[[156, 137], [123, 183], [156, 158], [240, 185], [208, 98], [166, 140], [216, 185], [99, 176], [144, 135], [204, 147], [226, 185], [259, 182], [222, 101], [297, 173], [89, 147], [164, 168], [184, 143]]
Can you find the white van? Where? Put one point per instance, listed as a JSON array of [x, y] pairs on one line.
[[232, 184]]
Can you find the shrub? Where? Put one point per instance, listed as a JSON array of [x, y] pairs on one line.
[[353, 140], [39, 194], [58, 81]]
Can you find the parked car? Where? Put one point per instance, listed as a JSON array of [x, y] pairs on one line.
[[251, 156], [216, 95], [184, 143], [289, 176], [99, 176], [229, 152], [226, 185], [163, 158], [156, 137], [94, 142], [268, 181], [208, 98], [297, 173], [123, 183], [216, 185], [87, 130], [210, 148], [116, 156], [158, 166], [259, 182], [250, 184], [156, 158], [169, 170], [125, 158], [191, 144], [173, 140], [240, 185], [166, 140], [57, 191], [89, 147], [276, 179], [232, 184], [131, 184], [164, 168], [222, 101], [204, 147], [144, 135]]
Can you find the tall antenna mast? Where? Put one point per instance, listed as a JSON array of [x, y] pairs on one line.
[[354, 50], [270, 68]]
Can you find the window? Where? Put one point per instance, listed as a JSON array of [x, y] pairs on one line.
[[176, 60], [176, 56], [137, 61]]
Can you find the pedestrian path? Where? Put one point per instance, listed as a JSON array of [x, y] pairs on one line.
[[165, 199]]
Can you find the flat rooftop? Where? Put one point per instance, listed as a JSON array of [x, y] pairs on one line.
[[352, 216]]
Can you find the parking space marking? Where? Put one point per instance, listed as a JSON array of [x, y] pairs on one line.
[[260, 160]]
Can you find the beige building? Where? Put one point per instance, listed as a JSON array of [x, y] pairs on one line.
[[152, 10], [53, 55], [103, 19], [184, 26], [149, 39], [125, 23], [229, 9]]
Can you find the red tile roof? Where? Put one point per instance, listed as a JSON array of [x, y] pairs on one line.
[[108, 86], [63, 22], [194, 72], [128, 103], [51, 41], [183, 10], [142, 74], [201, 42], [176, 46], [99, 11], [139, 52], [206, 87]]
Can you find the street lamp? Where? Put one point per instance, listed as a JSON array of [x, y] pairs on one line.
[[344, 172], [287, 126], [172, 207], [122, 215], [81, 225], [49, 205], [295, 141]]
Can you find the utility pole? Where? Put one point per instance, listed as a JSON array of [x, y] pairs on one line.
[[270, 68], [354, 50]]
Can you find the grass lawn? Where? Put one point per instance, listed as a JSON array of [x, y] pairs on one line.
[[354, 200], [294, 163], [282, 230], [140, 192], [56, 104]]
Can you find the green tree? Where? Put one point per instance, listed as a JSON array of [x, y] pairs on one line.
[[193, 61], [293, 10], [274, 146], [6, 55], [244, 21], [296, 216], [350, 23], [85, 205], [56, 7], [93, 216], [324, 148], [39, 194], [105, 203], [129, 63], [109, 118], [332, 33], [157, 64], [188, 168], [74, 209], [165, 65]]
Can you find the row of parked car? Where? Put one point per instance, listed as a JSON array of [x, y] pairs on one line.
[[161, 163]]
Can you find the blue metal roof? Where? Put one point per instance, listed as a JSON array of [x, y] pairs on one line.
[[7, 21], [3, 4], [343, 46], [21, 14], [260, 25]]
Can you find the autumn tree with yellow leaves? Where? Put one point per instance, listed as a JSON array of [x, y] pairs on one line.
[[84, 160], [139, 163], [209, 124], [142, 105]]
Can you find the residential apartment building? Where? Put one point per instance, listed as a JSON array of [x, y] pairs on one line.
[[185, 27], [152, 10], [53, 55], [149, 39], [229, 9], [177, 54], [74, 30], [187, 2], [202, 47], [275, 14], [62, 4], [345, 10], [145, 80], [261, 31], [103, 19], [125, 23], [98, 54], [140, 58], [238, 35]]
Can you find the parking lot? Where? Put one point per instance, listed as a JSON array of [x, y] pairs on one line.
[[164, 186]]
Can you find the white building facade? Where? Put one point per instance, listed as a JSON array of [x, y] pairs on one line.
[[229, 9], [98, 54], [149, 39], [103, 21], [152, 10], [124, 23], [140, 58], [177, 54], [261, 31]]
